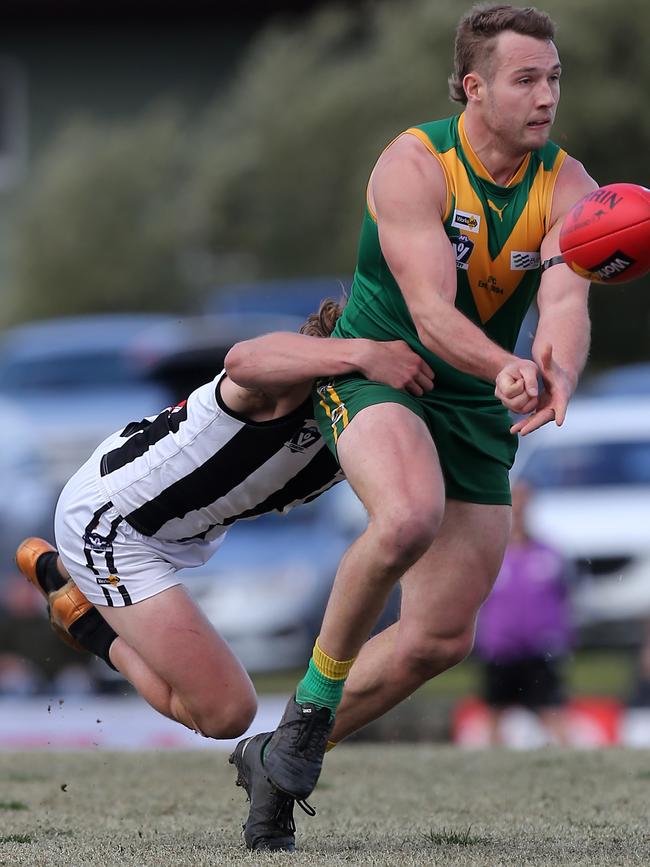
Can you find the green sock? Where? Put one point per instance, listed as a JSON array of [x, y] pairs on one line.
[[316, 688]]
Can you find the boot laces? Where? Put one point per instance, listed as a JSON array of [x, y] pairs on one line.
[[312, 729], [284, 813]]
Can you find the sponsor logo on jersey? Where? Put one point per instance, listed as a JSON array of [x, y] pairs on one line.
[[465, 220], [612, 265], [113, 580], [463, 247], [303, 439], [491, 285], [521, 261]]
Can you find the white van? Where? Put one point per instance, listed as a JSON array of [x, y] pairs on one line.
[[591, 479]]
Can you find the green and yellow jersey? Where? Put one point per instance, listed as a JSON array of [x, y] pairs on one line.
[[496, 232]]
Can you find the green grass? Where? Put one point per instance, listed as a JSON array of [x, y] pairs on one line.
[[396, 805], [455, 838], [16, 838]]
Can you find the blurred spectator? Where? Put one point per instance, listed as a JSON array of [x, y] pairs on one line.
[[18, 676], [524, 629], [74, 679], [641, 694]]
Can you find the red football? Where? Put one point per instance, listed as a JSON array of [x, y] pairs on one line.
[[606, 235]]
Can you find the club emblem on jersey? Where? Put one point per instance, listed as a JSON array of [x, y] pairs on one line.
[[303, 439], [463, 248], [521, 261], [467, 221], [98, 543]]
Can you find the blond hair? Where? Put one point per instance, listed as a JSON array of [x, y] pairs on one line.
[[321, 323]]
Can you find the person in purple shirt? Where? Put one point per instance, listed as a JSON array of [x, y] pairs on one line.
[[524, 629]]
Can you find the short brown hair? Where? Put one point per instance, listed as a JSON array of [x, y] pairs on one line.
[[321, 324], [475, 37]]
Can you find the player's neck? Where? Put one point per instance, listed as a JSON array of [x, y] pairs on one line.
[[500, 164]]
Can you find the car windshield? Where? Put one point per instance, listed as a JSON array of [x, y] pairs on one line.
[[69, 370], [589, 465]]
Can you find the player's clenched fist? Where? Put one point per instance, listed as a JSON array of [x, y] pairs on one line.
[[553, 401], [516, 385]]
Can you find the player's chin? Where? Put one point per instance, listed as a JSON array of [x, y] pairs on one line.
[[537, 134]]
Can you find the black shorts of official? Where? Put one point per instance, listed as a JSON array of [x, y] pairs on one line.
[[534, 683]]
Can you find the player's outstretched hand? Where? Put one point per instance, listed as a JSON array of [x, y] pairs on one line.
[[395, 363], [554, 398], [516, 385]]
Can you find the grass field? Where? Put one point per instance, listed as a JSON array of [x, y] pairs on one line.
[[377, 805]]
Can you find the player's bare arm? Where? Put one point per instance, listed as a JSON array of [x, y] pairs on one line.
[[561, 342], [275, 372], [408, 195]]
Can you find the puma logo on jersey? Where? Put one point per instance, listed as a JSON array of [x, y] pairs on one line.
[[499, 211], [466, 220], [303, 439], [522, 261]]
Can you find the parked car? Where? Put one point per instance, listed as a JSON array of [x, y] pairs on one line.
[[297, 296], [592, 500], [623, 381], [79, 378], [28, 501]]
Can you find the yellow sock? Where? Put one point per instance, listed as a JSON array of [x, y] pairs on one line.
[[324, 679], [332, 668]]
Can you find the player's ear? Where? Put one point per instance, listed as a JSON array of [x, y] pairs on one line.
[[473, 85]]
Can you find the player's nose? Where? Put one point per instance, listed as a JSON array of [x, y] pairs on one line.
[[546, 96]]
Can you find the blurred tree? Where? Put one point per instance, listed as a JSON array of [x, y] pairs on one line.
[[270, 181], [101, 227], [289, 150]]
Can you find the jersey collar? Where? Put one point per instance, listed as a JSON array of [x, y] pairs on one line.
[[477, 165]]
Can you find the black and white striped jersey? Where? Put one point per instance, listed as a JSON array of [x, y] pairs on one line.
[[194, 469]]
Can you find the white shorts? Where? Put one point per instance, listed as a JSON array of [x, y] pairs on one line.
[[110, 562]]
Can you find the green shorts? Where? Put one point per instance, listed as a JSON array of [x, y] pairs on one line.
[[471, 433]]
